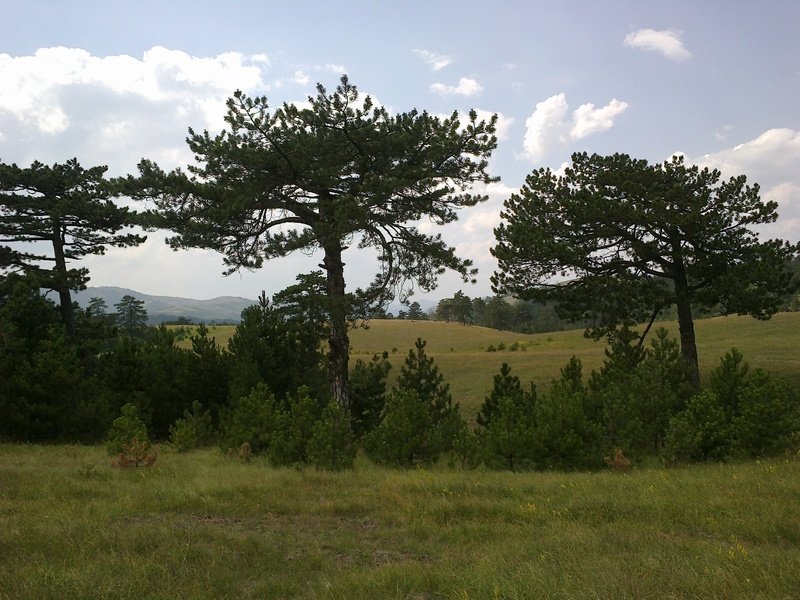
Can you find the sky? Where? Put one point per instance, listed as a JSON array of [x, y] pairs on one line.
[[112, 82]]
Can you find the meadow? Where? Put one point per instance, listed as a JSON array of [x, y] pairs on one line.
[[461, 352], [204, 525]]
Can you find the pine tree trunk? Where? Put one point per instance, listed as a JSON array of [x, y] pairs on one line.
[[60, 281], [686, 326], [338, 341]]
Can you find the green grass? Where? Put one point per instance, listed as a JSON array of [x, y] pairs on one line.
[[201, 525], [460, 351]]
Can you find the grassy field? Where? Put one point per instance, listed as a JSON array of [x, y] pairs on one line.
[[202, 525], [460, 351]]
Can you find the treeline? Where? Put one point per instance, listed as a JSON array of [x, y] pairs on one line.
[[118, 381], [495, 312], [524, 316]]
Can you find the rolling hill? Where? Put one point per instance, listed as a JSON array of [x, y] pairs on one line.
[[224, 309]]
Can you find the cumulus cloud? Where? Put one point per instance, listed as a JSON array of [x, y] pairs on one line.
[[549, 127], [115, 109], [301, 78], [770, 160], [588, 120], [503, 122], [545, 126], [434, 60], [667, 42], [466, 87]]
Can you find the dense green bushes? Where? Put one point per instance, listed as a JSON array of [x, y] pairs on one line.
[[294, 431], [743, 413], [268, 393], [639, 404]]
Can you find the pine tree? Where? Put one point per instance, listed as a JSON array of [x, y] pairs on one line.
[[505, 385], [638, 238], [131, 315], [316, 177], [420, 375], [71, 209]]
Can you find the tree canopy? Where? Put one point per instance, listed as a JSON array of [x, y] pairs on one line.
[[66, 207], [615, 240], [131, 315], [324, 176]]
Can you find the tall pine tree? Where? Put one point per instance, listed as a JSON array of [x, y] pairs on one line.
[[337, 172], [67, 208]]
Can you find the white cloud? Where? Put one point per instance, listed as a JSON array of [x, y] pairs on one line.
[[785, 194], [545, 126], [588, 120], [548, 127], [503, 122], [37, 89], [301, 78], [562, 169], [340, 69], [667, 42], [115, 109], [466, 87], [435, 61], [770, 160]]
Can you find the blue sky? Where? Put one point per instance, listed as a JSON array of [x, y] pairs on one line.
[[113, 82]]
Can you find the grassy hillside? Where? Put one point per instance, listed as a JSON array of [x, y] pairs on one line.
[[460, 351], [201, 525]]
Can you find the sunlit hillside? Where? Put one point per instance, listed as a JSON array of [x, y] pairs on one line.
[[462, 351]]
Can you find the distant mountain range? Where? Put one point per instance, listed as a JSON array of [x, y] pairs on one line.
[[225, 309]]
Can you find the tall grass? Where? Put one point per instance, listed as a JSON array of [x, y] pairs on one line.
[[201, 525]]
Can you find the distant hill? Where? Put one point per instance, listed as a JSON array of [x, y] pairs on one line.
[[225, 309]]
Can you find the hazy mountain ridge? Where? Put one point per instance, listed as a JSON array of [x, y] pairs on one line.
[[222, 309], [227, 309]]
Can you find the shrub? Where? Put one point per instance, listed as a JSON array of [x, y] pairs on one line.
[[637, 392], [743, 413], [406, 435], [504, 385], [194, 430], [250, 419], [565, 439], [368, 393], [420, 376], [467, 448], [510, 437], [294, 428], [135, 454], [768, 419], [127, 430], [331, 446], [702, 431], [280, 349]]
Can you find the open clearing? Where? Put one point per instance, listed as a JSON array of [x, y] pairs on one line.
[[461, 350], [201, 525]]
